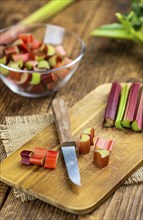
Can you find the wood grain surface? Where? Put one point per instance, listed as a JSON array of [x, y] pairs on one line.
[[97, 184], [104, 61], [62, 120]]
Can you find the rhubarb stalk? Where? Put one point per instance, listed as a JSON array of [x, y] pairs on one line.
[[47, 11], [112, 105], [131, 105], [137, 124], [122, 106]]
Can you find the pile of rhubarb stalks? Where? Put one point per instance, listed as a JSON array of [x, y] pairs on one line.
[[125, 107], [29, 54]]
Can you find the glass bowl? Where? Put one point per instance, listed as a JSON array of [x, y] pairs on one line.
[[43, 82]]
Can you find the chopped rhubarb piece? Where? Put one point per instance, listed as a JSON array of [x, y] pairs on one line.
[[43, 64], [51, 50], [36, 88], [51, 86], [36, 79], [53, 61], [4, 71], [40, 56], [90, 132], [101, 157], [24, 80], [51, 159], [43, 48], [25, 156], [84, 144], [102, 144], [131, 105], [122, 106], [60, 51], [11, 50], [35, 44], [61, 74], [137, 124], [14, 76], [14, 65], [20, 63], [26, 37], [38, 156], [31, 64], [24, 57], [48, 78], [112, 105], [3, 60], [21, 45]]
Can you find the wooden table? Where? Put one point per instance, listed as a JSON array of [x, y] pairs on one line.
[[104, 61]]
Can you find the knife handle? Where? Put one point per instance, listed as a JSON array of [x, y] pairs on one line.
[[62, 121]]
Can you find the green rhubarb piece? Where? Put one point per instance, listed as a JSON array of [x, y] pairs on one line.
[[3, 60], [14, 65], [135, 126], [36, 78], [53, 61], [103, 153], [122, 106], [84, 137], [40, 57], [4, 71], [43, 64], [51, 50], [29, 65], [43, 47], [20, 63]]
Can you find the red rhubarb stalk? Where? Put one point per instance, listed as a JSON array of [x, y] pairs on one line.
[[137, 124], [51, 159], [38, 156], [112, 105], [131, 105], [25, 156]]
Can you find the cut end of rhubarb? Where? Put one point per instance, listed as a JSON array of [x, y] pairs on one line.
[[108, 122], [118, 125], [135, 126], [101, 158], [126, 123]]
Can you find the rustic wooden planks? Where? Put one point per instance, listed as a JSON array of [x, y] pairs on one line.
[[53, 186]]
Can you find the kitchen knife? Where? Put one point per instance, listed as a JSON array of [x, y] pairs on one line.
[[62, 121]]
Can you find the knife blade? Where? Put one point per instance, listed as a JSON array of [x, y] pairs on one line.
[[62, 121]]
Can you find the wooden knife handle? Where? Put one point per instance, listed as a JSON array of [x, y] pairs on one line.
[[62, 120]]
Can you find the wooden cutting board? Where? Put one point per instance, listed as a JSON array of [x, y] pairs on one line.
[[53, 186]]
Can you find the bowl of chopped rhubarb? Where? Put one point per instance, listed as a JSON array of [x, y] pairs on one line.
[[37, 60]]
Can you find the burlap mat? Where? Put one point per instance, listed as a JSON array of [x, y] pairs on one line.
[[18, 130]]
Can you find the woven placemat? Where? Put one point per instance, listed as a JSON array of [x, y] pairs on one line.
[[18, 130]]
